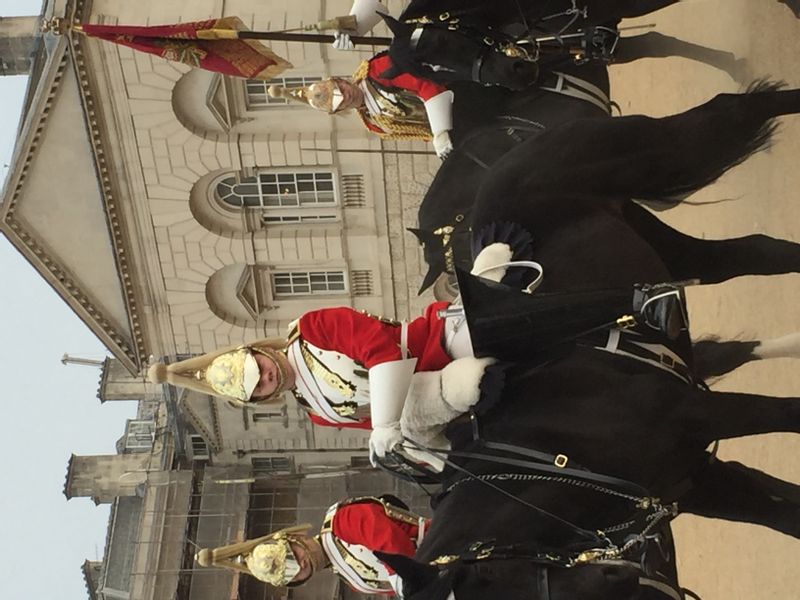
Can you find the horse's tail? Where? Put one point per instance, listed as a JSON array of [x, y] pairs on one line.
[[738, 125]]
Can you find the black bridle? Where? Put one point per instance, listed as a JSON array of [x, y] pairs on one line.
[[595, 547], [482, 554]]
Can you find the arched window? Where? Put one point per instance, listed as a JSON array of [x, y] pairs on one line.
[[283, 197]]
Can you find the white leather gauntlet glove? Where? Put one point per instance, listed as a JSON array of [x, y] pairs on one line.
[[366, 14], [442, 144], [383, 439], [342, 41]]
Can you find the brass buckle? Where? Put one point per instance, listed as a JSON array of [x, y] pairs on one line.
[[626, 322], [561, 461]]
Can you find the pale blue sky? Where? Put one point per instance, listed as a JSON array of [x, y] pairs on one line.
[[52, 411]]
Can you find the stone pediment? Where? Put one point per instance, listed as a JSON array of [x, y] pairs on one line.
[[202, 412], [56, 208]]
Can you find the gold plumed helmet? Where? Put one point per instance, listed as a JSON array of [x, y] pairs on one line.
[[273, 562], [269, 559], [323, 95], [231, 373]]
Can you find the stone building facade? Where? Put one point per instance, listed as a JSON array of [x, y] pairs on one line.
[[176, 211]]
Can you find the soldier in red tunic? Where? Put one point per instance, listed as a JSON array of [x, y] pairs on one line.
[[398, 106], [352, 369], [351, 532]]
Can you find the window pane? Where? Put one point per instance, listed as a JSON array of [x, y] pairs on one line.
[[305, 186], [246, 189]]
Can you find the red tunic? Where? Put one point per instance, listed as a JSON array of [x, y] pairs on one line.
[[370, 341], [366, 524], [425, 89], [361, 526]]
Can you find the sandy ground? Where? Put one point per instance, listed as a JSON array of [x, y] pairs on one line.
[[721, 560]]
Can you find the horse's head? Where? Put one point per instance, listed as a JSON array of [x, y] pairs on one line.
[[447, 52], [515, 578], [438, 250]]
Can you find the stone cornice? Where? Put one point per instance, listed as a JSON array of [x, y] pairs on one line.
[[35, 250], [108, 186]]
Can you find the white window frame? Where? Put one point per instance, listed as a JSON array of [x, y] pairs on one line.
[[304, 196], [200, 449], [300, 283], [139, 435], [272, 465]]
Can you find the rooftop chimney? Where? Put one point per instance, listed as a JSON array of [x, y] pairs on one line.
[[17, 38]]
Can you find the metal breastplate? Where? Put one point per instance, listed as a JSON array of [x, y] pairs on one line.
[[355, 563], [328, 382]]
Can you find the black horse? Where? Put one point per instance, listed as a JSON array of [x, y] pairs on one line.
[[446, 215], [512, 44], [639, 434], [489, 122]]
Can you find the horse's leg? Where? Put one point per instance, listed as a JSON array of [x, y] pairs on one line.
[[734, 492], [708, 416], [713, 261], [642, 157], [794, 6], [657, 45], [713, 358]]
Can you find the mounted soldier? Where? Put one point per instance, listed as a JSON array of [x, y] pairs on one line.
[[352, 369], [396, 106], [352, 531]]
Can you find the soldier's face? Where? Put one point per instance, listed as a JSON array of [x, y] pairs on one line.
[[270, 375], [352, 96], [303, 557]]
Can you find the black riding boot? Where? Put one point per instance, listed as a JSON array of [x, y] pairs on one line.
[[661, 308]]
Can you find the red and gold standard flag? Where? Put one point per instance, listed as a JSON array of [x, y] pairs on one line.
[[213, 45]]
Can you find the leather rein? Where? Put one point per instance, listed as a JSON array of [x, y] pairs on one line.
[[595, 547]]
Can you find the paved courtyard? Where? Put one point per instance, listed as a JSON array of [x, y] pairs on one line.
[[719, 560]]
